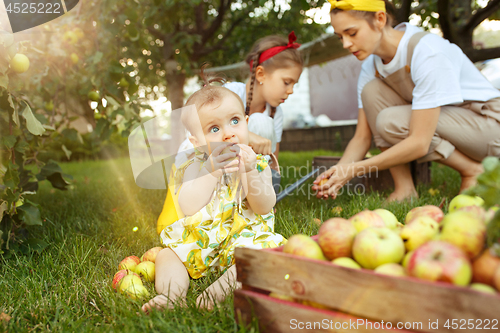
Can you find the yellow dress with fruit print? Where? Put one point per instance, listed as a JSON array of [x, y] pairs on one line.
[[206, 240]]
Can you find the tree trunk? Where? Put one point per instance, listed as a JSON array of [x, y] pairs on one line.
[[175, 86]]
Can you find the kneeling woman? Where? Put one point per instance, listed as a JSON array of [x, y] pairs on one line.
[[420, 98]]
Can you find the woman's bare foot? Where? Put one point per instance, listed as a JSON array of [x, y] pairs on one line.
[[402, 195]]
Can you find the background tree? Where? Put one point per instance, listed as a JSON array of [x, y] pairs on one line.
[[457, 19]]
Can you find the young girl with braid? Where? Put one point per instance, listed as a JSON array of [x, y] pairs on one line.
[[275, 67], [225, 192]]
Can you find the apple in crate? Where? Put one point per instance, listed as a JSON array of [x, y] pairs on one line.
[[377, 246], [463, 200], [366, 219], [464, 230], [390, 220], [421, 230], [434, 212], [335, 237], [477, 211], [146, 269], [440, 261], [346, 262], [484, 267], [129, 263], [484, 288], [150, 255], [392, 269], [303, 246], [119, 276]]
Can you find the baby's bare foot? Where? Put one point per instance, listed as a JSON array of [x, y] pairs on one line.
[[159, 302]]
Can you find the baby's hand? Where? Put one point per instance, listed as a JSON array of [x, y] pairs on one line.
[[223, 160], [248, 158]]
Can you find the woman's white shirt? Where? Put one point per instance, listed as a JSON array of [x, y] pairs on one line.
[[441, 72]]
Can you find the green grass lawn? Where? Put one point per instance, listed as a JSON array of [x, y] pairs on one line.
[[67, 287]]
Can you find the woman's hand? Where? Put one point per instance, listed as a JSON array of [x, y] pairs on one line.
[[248, 158], [224, 159], [336, 177], [259, 144]]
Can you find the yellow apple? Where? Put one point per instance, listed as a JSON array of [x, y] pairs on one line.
[[464, 230], [463, 200], [335, 237], [377, 246], [129, 280], [346, 262], [136, 291], [421, 230], [366, 219], [406, 259], [392, 269], [303, 246], [146, 269], [119, 276], [20, 63], [390, 220], [484, 288]]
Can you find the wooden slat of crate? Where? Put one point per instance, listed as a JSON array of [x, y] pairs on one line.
[[364, 293], [280, 316]]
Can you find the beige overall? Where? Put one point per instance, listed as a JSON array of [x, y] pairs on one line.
[[471, 127]]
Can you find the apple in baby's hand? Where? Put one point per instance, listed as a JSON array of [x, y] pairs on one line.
[[146, 269], [390, 220], [303, 246], [392, 269], [434, 212], [377, 246], [440, 261], [464, 230], [129, 263], [366, 219], [335, 237], [463, 200], [421, 230], [346, 262], [150, 255]]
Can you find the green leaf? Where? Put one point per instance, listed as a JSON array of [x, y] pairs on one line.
[[53, 173], [70, 133], [36, 244], [34, 126], [3, 208], [29, 214], [9, 141], [66, 151], [4, 81], [11, 177], [22, 146]]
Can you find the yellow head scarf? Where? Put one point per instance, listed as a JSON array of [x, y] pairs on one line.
[[361, 5]]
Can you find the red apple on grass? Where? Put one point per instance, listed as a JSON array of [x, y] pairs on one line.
[[434, 212], [119, 276], [335, 237], [464, 230], [303, 246], [129, 280], [129, 263], [366, 219], [150, 255], [440, 261], [377, 246]]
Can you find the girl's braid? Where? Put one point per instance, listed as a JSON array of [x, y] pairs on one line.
[[252, 82]]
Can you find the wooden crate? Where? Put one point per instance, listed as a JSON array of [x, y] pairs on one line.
[[376, 180], [353, 295]]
